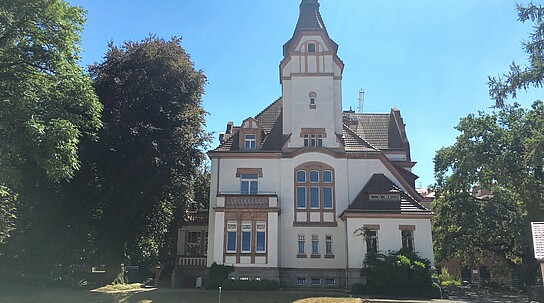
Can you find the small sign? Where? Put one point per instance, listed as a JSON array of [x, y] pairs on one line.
[[538, 240]]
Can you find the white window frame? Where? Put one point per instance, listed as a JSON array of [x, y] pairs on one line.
[[260, 227], [251, 140], [411, 238], [246, 229], [301, 243], [332, 198], [328, 244], [315, 245], [314, 189], [232, 227], [254, 179], [369, 240]]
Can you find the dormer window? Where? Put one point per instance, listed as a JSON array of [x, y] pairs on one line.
[[384, 197], [250, 141], [250, 134], [311, 47]]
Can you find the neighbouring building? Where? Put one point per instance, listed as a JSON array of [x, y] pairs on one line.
[[292, 186]]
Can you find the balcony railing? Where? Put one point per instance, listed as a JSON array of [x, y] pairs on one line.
[[246, 201], [191, 261]]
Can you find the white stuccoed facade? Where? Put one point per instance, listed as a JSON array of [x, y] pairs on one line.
[[294, 230]]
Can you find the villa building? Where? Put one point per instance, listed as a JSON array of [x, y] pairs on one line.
[[293, 186]]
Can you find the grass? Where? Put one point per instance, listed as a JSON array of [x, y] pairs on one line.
[[134, 294]]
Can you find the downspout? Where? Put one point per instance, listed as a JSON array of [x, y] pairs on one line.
[[218, 173], [346, 229]]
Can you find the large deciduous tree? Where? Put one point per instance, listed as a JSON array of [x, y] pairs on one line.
[[149, 149], [46, 101], [501, 151], [47, 106]]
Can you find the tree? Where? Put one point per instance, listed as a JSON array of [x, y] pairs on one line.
[[47, 103], [47, 106], [502, 152], [149, 149], [501, 88], [495, 152]]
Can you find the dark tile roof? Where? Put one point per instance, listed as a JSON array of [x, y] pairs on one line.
[[407, 175], [380, 184], [360, 133], [270, 121], [354, 143], [381, 131]]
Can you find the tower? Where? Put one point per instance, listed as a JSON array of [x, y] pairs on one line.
[[311, 79]]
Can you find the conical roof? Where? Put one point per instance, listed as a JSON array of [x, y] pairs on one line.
[[309, 19]]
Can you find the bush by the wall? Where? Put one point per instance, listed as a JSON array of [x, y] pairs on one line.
[[446, 279], [399, 274], [217, 275], [357, 289], [250, 285]]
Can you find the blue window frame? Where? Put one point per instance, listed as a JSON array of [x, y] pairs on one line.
[[315, 245], [246, 241], [261, 242], [301, 176], [314, 197], [327, 197], [301, 197], [231, 241], [314, 176], [327, 176], [301, 244]]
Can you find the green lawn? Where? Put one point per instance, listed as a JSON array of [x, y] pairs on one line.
[[65, 295]]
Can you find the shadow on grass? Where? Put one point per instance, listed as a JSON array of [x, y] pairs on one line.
[[146, 295]]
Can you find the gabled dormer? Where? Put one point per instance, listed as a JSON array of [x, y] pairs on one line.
[[311, 78], [250, 134]]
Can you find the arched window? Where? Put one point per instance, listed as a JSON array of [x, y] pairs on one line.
[[312, 97], [314, 193]]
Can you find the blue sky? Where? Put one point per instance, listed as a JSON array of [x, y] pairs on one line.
[[428, 58]]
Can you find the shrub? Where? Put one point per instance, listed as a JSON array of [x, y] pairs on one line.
[[217, 275], [250, 285], [400, 274], [451, 283], [357, 289], [446, 279]]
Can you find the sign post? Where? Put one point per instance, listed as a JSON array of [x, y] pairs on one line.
[[538, 244]]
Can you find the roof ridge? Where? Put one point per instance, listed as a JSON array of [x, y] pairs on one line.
[[359, 137]]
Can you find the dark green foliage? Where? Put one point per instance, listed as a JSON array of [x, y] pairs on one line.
[[398, 274], [500, 152], [7, 213], [250, 285], [47, 103], [217, 275], [150, 149], [531, 74], [47, 107], [357, 289], [445, 279]]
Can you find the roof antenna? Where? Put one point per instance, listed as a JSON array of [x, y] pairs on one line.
[[361, 100]]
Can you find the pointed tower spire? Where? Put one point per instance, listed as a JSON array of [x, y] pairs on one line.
[[309, 19]]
